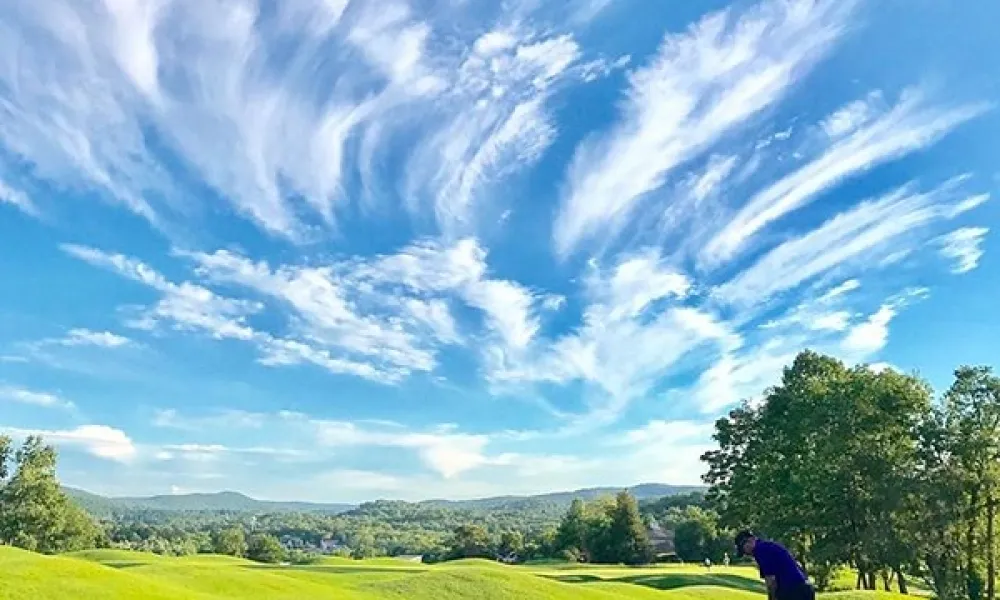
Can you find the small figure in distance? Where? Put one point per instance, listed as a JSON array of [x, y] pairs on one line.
[[725, 559], [708, 563], [781, 573]]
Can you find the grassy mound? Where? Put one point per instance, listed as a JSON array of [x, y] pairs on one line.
[[118, 575], [28, 576]]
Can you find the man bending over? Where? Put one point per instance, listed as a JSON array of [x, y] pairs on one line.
[[782, 574]]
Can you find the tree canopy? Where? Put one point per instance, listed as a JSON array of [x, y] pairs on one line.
[[35, 514], [849, 466]]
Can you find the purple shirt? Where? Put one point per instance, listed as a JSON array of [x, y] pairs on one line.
[[775, 561]]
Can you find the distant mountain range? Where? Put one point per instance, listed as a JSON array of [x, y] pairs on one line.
[[236, 502], [217, 502]]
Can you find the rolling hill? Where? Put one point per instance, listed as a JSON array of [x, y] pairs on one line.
[[217, 502], [121, 575], [236, 502]]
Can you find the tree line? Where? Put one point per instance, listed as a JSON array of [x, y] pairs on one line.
[[36, 514], [606, 530], [852, 467]]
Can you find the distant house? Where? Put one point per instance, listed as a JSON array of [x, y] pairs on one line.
[[662, 541], [328, 546]]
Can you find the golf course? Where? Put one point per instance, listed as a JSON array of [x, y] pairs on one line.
[[124, 575]]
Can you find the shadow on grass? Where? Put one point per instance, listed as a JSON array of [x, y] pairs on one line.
[[670, 581], [335, 570], [124, 564]]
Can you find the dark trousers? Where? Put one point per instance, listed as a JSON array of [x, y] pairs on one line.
[[799, 592]]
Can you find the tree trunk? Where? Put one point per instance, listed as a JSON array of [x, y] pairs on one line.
[[861, 578], [886, 581], [975, 593], [991, 570], [903, 589]]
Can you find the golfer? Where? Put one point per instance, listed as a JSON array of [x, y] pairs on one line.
[[782, 574]]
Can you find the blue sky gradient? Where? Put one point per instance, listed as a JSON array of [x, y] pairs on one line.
[[336, 250]]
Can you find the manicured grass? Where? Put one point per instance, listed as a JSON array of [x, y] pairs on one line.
[[118, 575]]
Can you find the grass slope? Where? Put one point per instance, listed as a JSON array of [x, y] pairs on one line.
[[118, 575]]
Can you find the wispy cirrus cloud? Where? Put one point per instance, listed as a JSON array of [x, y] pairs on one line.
[[86, 337], [869, 231], [191, 307], [16, 198], [345, 316], [278, 111], [964, 247], [231, 418], [702, 83], [30, 397], [866, 135], [633, 333], [203, 453]]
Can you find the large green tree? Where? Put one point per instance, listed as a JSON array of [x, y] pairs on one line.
[[824, 463], [511, 544], [35, 514], [627, 538], [231, 541], [572, 534], [470, 541], [972, 422], [696, 534], [265, 548]]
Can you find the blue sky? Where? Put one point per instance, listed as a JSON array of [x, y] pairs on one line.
[[344, 249]]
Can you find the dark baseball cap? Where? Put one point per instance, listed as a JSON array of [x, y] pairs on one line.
[[741, 539]]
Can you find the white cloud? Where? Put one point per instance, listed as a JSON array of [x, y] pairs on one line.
[[17, 199], [666, 432], [909, 126], [970, 203], [742, 374], [862, 234], [665, 451], [99, 440], [818, 314], [100, 339], [632, 335], [320, 298], [852, 117], [448, 454], [201, 453], [357, 305], [225, 419], [191, 307], [719, 167], [505, 82], [276, 110], [34, 398], [964, 247], [870, 336], [702, 84]]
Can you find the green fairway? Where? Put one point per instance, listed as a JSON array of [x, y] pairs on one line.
[[119, 575]]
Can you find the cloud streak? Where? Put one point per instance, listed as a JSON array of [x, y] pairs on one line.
[[867, 232], [964, 247], [29, 397], [869, 141], [702, 83]]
